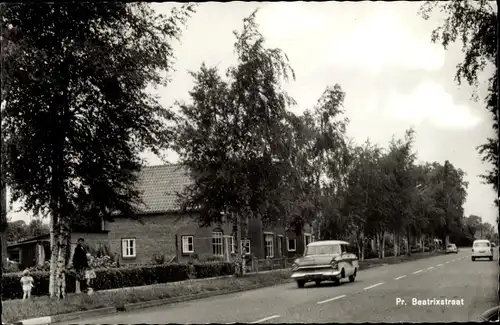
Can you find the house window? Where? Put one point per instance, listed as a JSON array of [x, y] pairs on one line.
[[187, 244], [232, 243], [217, 243], [280, 245], [269, 239], [292, 245], [245, 246], [128, 247]]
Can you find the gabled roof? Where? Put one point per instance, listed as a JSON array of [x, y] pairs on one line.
[[27, 240], [158, 187]]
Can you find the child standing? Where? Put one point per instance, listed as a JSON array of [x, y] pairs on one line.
[[90, 273], [27, 283]]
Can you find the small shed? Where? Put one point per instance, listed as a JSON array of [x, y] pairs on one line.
[[34, 251], [30, 251]]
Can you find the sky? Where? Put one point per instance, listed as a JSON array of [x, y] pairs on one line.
[[381, 55]]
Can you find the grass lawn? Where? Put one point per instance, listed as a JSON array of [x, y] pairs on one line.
[[16, 310]]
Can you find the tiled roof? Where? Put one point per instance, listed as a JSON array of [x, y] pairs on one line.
[[158, 187]]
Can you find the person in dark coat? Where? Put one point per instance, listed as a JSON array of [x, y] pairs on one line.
[[80, 262]]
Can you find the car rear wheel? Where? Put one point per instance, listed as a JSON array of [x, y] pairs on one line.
[[301, 283], [352, 277], [473, 259], [491, 258]]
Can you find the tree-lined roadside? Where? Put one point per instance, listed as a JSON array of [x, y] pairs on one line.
[[76, 115]]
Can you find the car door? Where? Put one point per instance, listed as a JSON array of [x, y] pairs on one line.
[[346, 260]]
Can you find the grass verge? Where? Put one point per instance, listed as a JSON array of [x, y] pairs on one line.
[[366, 264], [16, 310]]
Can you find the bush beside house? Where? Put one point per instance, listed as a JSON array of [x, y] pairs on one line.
[[115, 278]]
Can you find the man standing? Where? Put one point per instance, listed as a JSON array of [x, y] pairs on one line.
[[80, 263]]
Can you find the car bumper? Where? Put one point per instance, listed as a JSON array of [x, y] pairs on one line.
[[316, 275], [482, 255]]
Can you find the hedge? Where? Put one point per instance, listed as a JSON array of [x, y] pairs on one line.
[[115, 278]]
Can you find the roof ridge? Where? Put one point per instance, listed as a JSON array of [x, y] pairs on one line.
[[161, 165]]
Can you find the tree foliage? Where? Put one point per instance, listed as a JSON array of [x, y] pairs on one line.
[[19, 230], [250, 156], [230, 135], [75, 111], [474, 24]]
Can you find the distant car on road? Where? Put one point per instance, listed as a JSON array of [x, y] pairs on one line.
[[328, 260], [451, 248], [482, 248]]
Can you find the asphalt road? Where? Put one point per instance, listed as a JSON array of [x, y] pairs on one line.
[[382, 294]]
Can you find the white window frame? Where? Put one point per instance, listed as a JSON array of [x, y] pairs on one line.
[[269, 245], [217, 241], [288, 244], [243, 243], [233, 245], [129, 248], [186, 244]]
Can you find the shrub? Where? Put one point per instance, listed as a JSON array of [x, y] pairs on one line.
[[209, 270], [371, 254], [159, 259], [103, 262], [114, 278], [215, 259], [39, 268], [12, 268]]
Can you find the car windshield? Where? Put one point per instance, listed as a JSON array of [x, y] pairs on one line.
[[451, 246], [323, 250], [483, 244]]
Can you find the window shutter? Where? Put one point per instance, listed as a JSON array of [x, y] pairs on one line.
[[124, 247]]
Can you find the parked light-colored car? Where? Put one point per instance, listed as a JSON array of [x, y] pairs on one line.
[[329, 260], [451, 248], [481, 248]]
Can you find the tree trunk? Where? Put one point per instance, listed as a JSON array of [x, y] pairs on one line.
[[396, 244], [54, 248], [383, 245], [408, 242], [62, 257], [243, 253], [377, 244], [3, 224], [360, 238]]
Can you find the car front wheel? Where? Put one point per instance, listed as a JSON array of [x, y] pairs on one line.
[[352, 277], [473, 259], [301, 283], [491, 258]]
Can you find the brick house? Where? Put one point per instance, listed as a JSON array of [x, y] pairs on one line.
[[163, 231]]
